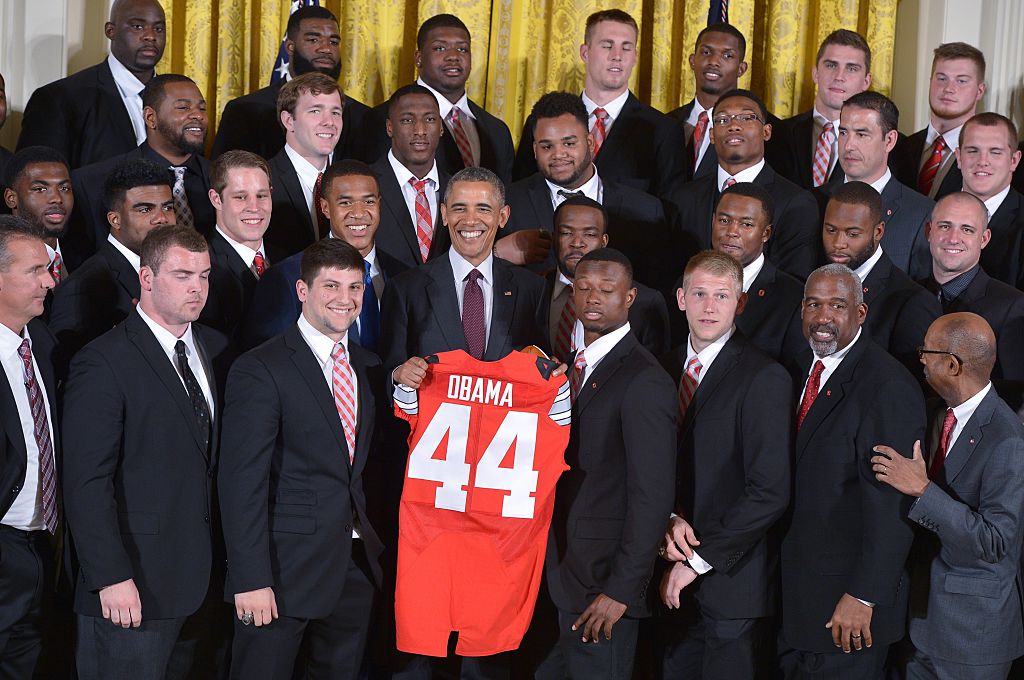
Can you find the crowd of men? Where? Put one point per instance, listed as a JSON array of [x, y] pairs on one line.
[[796, 349]]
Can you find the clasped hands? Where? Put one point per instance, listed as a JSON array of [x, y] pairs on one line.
[[677, 547]]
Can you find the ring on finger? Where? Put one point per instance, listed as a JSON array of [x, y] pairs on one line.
[[247, 619]]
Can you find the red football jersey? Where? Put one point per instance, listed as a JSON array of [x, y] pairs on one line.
[[486, 449]]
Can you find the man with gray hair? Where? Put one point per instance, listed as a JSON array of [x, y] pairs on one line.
[[843, 585]]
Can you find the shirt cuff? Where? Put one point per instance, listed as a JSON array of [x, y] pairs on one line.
[[698, 564], [865, 602]]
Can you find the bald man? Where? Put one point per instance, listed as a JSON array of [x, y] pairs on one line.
[[968, 486]]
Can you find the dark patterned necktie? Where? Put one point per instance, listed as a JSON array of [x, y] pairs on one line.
[[41, 430], [200, 407], [473, 314]]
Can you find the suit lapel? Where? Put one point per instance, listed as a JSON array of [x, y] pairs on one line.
[[444, 303], [759, 297], [289, 180], [123, 122], [503, 307], [394, 202], [125, 274], [540, 199], [970, 438], [830, 393], [367, 411], [606, 368], [307, 366], [724, 363]]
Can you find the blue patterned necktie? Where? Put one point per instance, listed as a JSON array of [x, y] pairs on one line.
[[369, 317]]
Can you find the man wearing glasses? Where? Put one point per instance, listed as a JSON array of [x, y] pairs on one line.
[[739, 133]]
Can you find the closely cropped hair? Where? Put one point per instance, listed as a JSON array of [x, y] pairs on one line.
[[616, 15], [156, 89], [229, 160], [583, 202], [30, 155], [609, 255], [716, 264], [12, 227], [859, 193], [960, 50], [314, 83], [303, 13], [161, 239], [967, 198], [438, 21], [754, 191], [846, 38], [476, 174], [888, 114], [990, 119], [130, 174], [348, 168], [841, 270], [746, 94], [725, 29], [405, 90], [328, 253], [976, 350], [555, 104]]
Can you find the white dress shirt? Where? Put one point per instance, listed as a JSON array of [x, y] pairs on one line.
[[992, 204], [461, 268], [245, 252], [130, 88], [745, 175], [831, 363], [692, 120], [865, 269], [50, 253], [445, 107], [167, 342], [593, 189], [612, 108], [403, 175], [307, 174], [26, 512], [133, 258], [880, 183], [598, 350], [963, 413], [751, 271]]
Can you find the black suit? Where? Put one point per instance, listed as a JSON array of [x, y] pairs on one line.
[[795, 244], [289, 498], [906, 164], [710, 160], [644, 149], [232, 285], [82, 116], [848, 532], [732, 485], [291, 223], [396, 234], [793, 151], [1003, 257], [251, 123], [771, 317]]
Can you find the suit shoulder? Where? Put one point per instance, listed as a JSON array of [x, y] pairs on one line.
[[490, 118], [523, 278], [214, 341], [257, 99], [86, 78], [364, 356]]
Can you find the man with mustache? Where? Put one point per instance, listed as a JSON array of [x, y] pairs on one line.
[[175, 114], [844, 591], [97, 113], [250, 122]]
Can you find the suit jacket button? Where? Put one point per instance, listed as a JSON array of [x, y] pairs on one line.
[[206, 518]]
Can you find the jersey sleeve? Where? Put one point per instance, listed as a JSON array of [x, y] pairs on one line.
[[407, 403], [561, 409]]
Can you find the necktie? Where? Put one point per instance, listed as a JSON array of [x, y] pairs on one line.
[[322, 224], [424, 220], [931, 167], [728, 183], [810, 394], [57, 267], [473, 314], [939, 459], [688, 385], [698, 136], [344, 396], [724, 16], [200, 407], [41, 430], [600, 130], [461, 140], [823, 155], [182, 211], [369, 317], [259, 265], [566, 320], [568, 194], [579, 369]]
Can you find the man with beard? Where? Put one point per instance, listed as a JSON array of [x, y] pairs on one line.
[[175, 115], [250, 122], [97, 113], [564, 151], [844, 592]]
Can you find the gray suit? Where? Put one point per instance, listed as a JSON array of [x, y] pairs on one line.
[[966, 598]]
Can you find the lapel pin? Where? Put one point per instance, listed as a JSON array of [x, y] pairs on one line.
[[828, 393], [972, 440], [865, 289], [508, 293], [760, 293], [888, 212], [593, 385]]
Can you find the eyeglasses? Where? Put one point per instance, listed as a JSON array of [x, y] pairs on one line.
[[742, 118], [921, 351]]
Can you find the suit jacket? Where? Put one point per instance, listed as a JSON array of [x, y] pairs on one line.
[[250, 123], [794, 159], [96, 297], [709, 162], [771, 317], [289, 495], [396, 234], [496, 148], [795, 245], [612, 504], [848, 532], [906, 163], [732, 482], [966, 586], [138, 477], [232, 285], [82, 116], [420, 313], [1003, 257], [644, 149], [637, 226], [291, 224]]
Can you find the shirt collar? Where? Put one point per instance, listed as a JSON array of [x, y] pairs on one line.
[[133, 258], [695, 113], [832, 361], [591, 189], [745, 175], [245, 252], [880, 183], [751, 271], [992, 204], [445, 106], [403, 174], [865, 269], [11, 341], [707, 355], [322, 346], [821, 119], [952, 137], [126, 82], [598, 349], [166, 338], [613, 108], [964, 411], [461, 267], [306, 171]]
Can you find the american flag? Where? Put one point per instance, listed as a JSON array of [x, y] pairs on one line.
[[280, 72], [718, 10]]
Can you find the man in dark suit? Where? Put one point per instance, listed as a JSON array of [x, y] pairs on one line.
[[105, 289], [987, 158], [739, 133], [352, 201], [926, 160], [298, 429], [611, 505], [564, 151], [310, 110], [175, 114], [957, 234], [97, 113], [141, 410], [474, 137], [732, 484], [842, 68], [30, 454], [411, 182], [846, 539], [899, 310], [633, 143], [581, 226], [251, 122], [965, 612]]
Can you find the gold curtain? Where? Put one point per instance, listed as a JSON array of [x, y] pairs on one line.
[[523, 48]]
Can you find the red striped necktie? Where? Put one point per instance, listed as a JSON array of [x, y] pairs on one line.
[[931, 167], [461, 140], [600, 131], [345, 396], [823, 155]]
